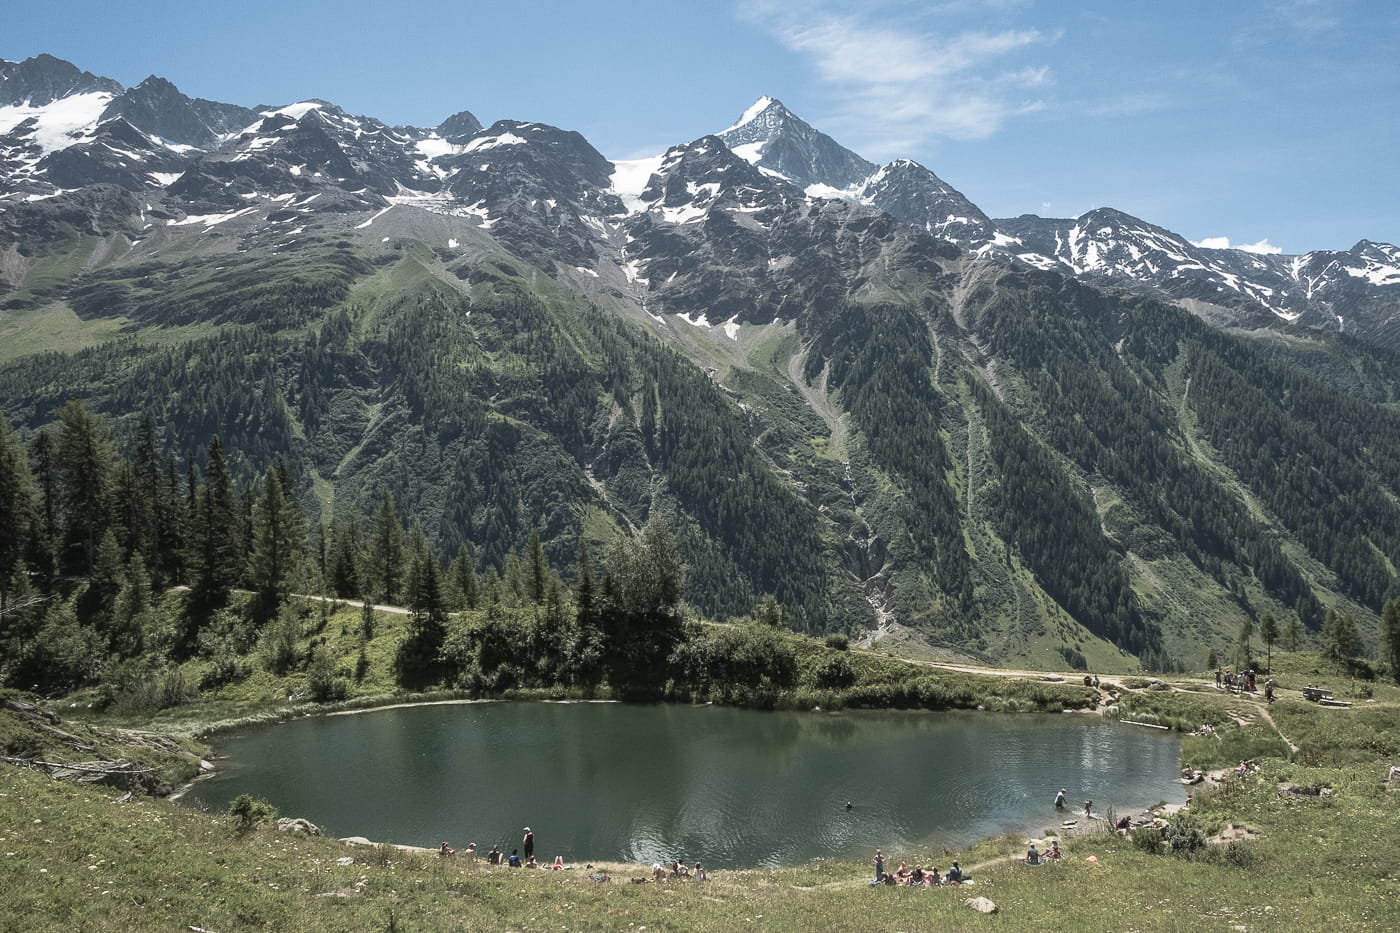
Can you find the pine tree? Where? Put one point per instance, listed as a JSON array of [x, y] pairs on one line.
[[462, 579], [387, 549], [279, 543], [1242, 653], [1390, 636], [45, 468], [215, 538], [104, 583], [345, 558], [1293, 634], [144, 525], [132, 610], [418, 660], [86, 467], [1268, 630], [1340, 640], [538, 579], [19, 508]]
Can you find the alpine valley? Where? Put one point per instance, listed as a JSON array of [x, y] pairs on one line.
[[1039, 441]]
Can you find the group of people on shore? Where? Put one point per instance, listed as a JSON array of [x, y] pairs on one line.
[[497, 857], [678, 868], [916, 876], [1035, 857], [678, 871], [1241, 681]]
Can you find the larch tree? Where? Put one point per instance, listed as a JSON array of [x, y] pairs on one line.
[[1390, 636]]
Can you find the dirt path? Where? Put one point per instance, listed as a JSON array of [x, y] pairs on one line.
[[1269, 718]]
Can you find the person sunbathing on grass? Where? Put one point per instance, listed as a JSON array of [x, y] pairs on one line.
[[1054, 851]]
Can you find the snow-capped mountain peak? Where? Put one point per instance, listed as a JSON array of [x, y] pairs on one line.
[[771, 137]]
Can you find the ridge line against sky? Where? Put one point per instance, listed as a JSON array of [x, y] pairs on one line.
[[1272, 123]]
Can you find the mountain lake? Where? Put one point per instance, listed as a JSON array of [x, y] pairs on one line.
[[734, 788]]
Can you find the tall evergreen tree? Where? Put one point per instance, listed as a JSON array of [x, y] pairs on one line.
[[104, 583], [44, 454], [132, 610], [86, 466], [1293, 634], [144, 526], [19, 508], [418, 661], [386, 544], [462, 582], [279, 543], [1243, 653], [215, 537], [1390, 636], [1268, 630], [1340, 639], [539, 572]]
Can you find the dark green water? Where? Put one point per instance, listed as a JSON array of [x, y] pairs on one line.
[[735, 788]]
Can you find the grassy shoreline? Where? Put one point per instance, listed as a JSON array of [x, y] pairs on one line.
[[73, 857]]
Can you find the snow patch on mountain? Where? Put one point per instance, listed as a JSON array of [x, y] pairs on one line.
[[60, 124], [630, 178]]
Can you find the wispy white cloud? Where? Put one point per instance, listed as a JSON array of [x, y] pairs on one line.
[[902, 76], [1309, 16], [1263, 247]]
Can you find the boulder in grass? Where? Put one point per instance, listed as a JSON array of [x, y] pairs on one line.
[[981, 904], [298, 825]]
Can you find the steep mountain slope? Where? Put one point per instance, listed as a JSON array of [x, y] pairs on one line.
[[847, 411]]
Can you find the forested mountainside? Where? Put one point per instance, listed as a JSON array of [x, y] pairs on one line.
[[828, 405]]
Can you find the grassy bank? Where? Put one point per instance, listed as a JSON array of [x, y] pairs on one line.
[[1314, 846]]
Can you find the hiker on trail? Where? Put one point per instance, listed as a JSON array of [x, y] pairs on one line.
[[879, 866], [528, 842], [1060, 799], [1088, 809], [1219, 677]]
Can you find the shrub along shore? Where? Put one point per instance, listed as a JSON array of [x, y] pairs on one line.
[[1316, 812]]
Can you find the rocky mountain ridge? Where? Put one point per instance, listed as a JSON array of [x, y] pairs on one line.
[[63, 129]]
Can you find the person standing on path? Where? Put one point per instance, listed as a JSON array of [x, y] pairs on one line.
[[528, 843]]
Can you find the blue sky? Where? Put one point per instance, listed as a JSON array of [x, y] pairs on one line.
[[1263, 122]]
